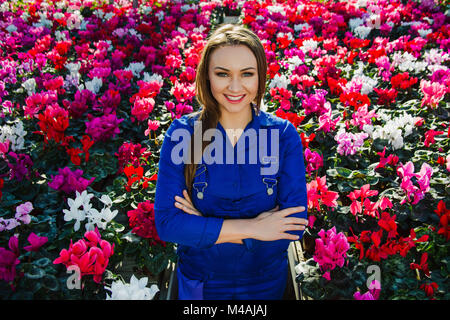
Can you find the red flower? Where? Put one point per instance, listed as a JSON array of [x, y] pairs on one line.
[[53, 123], [388, 224], [294, 118], [429, 137], [423, 265], [429, 288], [444, 217], [142, 220]]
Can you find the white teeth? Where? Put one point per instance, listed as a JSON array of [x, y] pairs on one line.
[[234, 98]]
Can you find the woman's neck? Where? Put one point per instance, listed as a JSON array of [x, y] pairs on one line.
[[236, 120]]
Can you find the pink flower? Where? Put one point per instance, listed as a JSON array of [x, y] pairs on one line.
[[142, 108], [153, 125], [330, 250], [433, 92], [183, 92], [406, 173], [35, 242], [22, 212], [318, 194], [87, 255], [362, 116]]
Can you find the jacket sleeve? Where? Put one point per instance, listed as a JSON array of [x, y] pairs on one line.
[[172, 224], [292, 180]]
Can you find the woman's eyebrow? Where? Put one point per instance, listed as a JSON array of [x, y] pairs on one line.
[[248, 68]]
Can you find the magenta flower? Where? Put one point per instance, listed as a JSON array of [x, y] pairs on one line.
[[314, 160], [35, 242], [372, 294], [330, 250], [104, 127], [315, 103], [9, 260], [68, 181]]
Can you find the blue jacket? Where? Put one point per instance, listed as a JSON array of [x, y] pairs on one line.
[[235, 187]]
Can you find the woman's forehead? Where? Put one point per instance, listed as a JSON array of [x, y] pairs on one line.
[[233, 58]]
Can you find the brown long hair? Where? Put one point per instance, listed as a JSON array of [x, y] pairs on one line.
[[224, 35]]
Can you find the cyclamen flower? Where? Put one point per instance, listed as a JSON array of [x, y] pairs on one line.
[[22, 212], [406, 173], [444, 218], [103, 127], [94, 217], [349, 143], [142, 108], [53, 123], [318, 194], [433, 93], [362, 117], [9, 260], [314, 160], [135, 290], [69, 181], [372, 294], [21, 167], [330, 250], [131, 154], [142, 220], [90, 255], [183, 92], [36, 242], [316, 103]]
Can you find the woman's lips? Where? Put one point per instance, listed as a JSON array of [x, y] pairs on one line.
[[234, 101]]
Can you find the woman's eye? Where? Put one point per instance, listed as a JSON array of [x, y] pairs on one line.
[[248, 74], [221, 74]]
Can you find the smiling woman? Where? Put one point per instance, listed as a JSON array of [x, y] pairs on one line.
[[232, 220]]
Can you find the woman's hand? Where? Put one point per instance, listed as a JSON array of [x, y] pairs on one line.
[[273, 225], [185, 204]]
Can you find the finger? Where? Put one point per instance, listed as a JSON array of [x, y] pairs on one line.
[[294, 220], [291, 210], [187, 209], [186, 195], [289, 236], [294, 227], [275, 209], [183, 201]]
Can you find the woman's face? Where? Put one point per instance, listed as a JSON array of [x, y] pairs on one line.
[[233, 76]]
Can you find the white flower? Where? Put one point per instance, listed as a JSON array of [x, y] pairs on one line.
[[355, 22], [136, 68], [94, 85], [154, 77], [309, 45], [30, 86], [279, 81], [135, 290], [424, 32], [15, 134], [362, 31], [75, 213]]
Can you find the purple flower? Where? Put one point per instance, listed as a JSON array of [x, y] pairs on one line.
[[21, 168], [22, 212], [69, 181]]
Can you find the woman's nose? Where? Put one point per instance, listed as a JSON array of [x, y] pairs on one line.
[[235, 85]]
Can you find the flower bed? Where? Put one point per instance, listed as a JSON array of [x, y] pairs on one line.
[[88, 89]]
